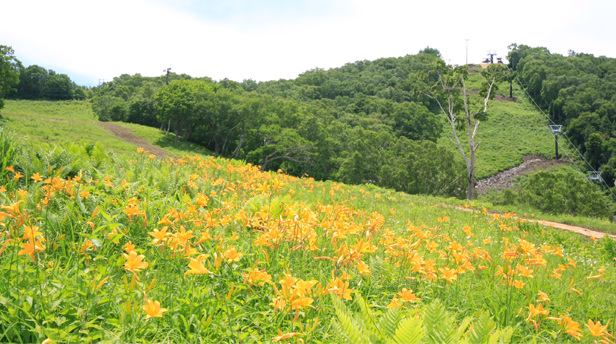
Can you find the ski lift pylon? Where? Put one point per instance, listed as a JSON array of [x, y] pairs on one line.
[[556, 128], [594, 176]]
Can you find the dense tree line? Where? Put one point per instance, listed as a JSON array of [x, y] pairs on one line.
[[360, 123], [364, 122], [577, 91], [33, 82], [9, 72], [36, 82]]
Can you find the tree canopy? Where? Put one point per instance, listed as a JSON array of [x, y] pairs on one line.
[[350, 124], [577, 91], [9, 71]]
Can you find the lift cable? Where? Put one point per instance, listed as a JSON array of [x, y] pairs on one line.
[[565, 135]]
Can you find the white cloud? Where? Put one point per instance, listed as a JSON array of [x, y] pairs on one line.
[[106, 39]]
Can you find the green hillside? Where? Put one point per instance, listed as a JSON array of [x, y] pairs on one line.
[[514, 129], [73, 121], [364, 122]]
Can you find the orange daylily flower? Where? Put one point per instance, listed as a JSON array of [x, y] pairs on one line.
[[395, 303], [286, 335], [279, 303], [534, 311], [301, 302], [518, 284], [134, 262], [525, 272], [543, 297], [31, 232], [363, 268], [13, 208], [31, 248], [232, 255], [572, 328], [36, 177], [128, 247], [408, 296], [153, 309], [303, 287], [196, 266], [288, 280], [596, 329], [256, 276], [448, 274], [159, 236]]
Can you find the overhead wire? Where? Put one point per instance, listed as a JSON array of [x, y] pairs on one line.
[[563, 149], [566, 137]]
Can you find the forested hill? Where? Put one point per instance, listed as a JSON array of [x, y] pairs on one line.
[[358, 123], [385, 78], [577, 91], [362, 122]]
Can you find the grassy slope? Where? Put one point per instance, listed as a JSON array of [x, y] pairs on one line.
[[74, 121], [239, 193], [158, 138], [512, 131]]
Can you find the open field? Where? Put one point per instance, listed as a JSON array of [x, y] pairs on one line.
[[73, 121]]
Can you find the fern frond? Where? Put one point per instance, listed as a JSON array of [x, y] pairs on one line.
[[410, 331], [350, 328], [480, 332], [389, 322], [459, 334], [339, 333], [367, 316], [501, 336], [439, 324]]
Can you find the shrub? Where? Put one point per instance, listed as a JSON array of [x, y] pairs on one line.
[[561, 190], [118, 111]]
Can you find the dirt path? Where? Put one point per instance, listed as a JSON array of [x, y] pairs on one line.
[[576, 229], [587, 232], [127, 135], [506, 178]]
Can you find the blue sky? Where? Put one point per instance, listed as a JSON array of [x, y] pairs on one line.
[[273, 39]]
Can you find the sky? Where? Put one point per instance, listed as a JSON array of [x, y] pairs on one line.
[[277, 39]]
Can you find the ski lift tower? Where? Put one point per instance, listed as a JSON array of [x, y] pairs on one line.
[[594, 176], [491, 53], [555, 129]]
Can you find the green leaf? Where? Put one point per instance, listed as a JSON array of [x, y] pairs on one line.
[[410, 330], [389, 322]]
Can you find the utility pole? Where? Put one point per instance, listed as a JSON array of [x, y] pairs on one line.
[[167, 70], [511, 83], [467, 51]]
